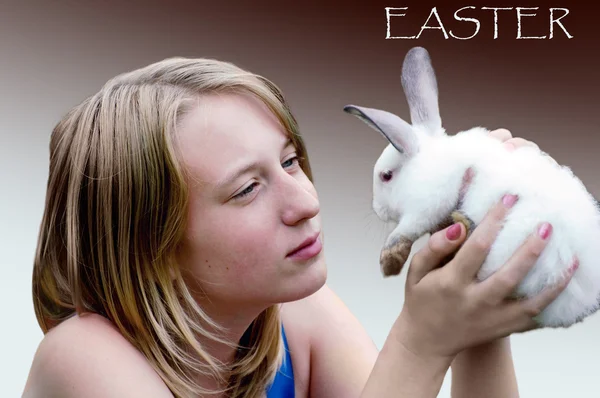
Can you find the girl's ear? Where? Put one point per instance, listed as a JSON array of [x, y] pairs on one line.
[[420, 88], [398, 132]]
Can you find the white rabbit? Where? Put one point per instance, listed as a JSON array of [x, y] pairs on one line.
[[417, 183]]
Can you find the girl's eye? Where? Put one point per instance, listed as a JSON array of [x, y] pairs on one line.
[[246, 191], [290, 161], [250, 188]]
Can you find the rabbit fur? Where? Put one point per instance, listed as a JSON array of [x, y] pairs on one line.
[[419, 183]]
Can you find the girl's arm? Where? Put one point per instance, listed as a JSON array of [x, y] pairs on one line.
[[486, 370]]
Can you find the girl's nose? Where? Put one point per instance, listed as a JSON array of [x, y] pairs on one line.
[[299, 201]]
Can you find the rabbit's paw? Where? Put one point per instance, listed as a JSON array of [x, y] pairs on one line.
[[458, 216], [393, 258]]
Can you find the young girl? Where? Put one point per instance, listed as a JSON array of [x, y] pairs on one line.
[[181, 254]]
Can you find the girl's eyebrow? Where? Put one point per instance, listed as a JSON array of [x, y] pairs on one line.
[[249, 167]]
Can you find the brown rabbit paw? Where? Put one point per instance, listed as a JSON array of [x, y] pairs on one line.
[[459, 216], [393, 258]]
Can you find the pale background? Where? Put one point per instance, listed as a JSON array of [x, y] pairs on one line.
[[55, 53]]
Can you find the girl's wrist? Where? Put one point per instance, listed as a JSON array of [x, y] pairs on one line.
[[403, 371], [413, 344]]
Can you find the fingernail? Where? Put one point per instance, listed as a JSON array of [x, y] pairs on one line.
[[509, 200], [574, 266], [544, 230], [453, 232], [510, 146]]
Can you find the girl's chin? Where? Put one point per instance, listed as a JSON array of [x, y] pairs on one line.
[[305, 283]]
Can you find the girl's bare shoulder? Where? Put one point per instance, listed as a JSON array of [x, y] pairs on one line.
[[87, 356]]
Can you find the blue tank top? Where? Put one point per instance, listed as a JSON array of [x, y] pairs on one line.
[[283, 385]]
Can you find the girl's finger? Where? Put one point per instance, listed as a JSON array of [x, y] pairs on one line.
[[533, 306], [501, 134], [503, 282], [523, 315], [440, 245], [472, 254], [520, 142]]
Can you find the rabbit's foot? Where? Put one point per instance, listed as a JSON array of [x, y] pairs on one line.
[[459, 216], [394, 257]]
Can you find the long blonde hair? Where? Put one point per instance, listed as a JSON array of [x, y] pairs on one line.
[[115, 211]]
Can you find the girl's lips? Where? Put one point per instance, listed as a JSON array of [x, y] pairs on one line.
[[308, 251]]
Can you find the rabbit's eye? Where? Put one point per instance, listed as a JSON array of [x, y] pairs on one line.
[[385, 175]]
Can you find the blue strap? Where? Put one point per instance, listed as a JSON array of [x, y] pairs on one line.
[[283, 385]]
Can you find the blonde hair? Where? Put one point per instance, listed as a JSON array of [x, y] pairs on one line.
[[115, 211]]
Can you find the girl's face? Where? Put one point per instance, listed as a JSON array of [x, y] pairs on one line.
[[251, 205]]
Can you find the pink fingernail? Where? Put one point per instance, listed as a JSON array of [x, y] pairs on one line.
[[544, 230], [509, 200], [453, 232], [574, 266]]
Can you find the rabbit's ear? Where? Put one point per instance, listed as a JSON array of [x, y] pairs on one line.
[[420, 88], [398, 132]]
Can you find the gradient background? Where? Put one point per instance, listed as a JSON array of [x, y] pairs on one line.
[[323, 55]]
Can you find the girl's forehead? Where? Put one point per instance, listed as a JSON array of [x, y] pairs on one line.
[[223, 120], [223, 131]]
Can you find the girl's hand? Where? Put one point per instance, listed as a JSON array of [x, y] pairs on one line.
[[511, 143], [446, 310]]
